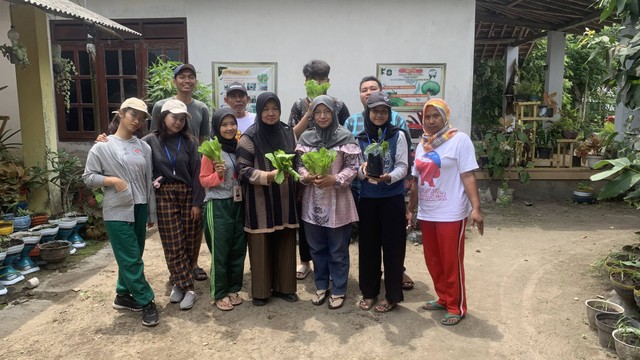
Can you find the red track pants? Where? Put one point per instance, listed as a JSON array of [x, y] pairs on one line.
[[443, 244]]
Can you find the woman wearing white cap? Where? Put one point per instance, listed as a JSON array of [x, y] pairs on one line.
[[123, 166], [179, 194]]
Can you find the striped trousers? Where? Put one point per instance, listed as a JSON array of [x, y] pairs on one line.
[[179, 233]]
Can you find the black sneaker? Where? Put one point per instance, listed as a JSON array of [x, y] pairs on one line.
[[126, 302], [150, 315]]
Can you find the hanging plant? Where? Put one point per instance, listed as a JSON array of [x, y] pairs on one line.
[[16, 54], [63, 70]]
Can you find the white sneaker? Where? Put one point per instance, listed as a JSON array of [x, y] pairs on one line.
[[189, 299], [177, 294]]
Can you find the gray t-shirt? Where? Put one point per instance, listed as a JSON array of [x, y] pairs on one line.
[[129, 160], [200, 123]]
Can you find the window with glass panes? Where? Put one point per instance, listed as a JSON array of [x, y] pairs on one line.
[[118, 71]]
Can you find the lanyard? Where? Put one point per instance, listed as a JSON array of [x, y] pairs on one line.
[[233, 170], [379, 140], [173, 161]]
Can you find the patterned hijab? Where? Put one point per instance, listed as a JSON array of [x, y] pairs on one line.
[[432, 141], [334, 135]]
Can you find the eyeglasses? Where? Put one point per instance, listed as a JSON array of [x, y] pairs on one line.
[[322, 112]]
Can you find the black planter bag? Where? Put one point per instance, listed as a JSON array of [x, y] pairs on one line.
[[375, 165]]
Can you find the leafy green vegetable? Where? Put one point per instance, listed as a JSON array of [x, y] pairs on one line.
[[283, 162], [318, 162], [211, 149], [376, 147], [314, 89], [262, 78]]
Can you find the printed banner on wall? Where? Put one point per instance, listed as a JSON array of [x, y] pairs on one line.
[[256, 77], [410, 85]]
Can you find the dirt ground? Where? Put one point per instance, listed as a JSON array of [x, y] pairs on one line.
[[527, 280]]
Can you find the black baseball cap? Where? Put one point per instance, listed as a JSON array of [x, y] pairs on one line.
[[236, 86], [182, 67]]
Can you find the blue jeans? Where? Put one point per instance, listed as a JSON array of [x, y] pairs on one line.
[[330, 253]]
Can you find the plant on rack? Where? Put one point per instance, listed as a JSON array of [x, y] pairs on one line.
[[546, 141], [525, 90]]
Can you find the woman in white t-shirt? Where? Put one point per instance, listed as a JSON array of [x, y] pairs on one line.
[[444, 188]]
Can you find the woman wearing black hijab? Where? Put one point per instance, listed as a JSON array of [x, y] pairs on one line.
[[381, 209], [270, 209]]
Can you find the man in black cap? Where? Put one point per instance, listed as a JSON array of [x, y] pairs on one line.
[[237, 99], [184, 77]]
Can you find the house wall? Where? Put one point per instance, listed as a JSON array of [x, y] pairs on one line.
[[352, 36], [8, 96]]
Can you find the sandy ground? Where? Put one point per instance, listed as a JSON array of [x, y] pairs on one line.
[[527, 280]]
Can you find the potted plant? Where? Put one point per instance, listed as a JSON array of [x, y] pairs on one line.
[[595, 146], [15, 52], [583, 193], [545, 142], [527, 91], [375, 153], [597, 306], [606, 323], [624, 282], [627, 341]]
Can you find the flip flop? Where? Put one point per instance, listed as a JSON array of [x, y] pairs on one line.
[[302, 272], [384, 307], [320, 297], [451, 319], [224, 304], [367, 304], [433, 306], [234, 299], [199, 274], [407, 283], [336, 302]]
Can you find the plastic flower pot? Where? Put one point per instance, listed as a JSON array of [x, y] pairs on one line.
[[598, 306], [627, 344], [606, 323]]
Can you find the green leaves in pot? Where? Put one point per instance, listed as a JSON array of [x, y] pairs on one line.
[[283, 162], [211, 149], [377, 148], [318, 162]]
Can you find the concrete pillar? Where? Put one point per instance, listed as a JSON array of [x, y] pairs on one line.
[[510, 58], [36, 98], [554, 76]]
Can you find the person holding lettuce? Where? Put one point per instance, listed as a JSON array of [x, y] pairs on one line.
[[330, 159], [223, 212], [381, 207], [270, 217], [317, 82]]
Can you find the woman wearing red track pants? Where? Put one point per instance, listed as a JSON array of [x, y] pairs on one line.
[[444, 188]]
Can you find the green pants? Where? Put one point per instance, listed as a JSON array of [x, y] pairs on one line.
[[224, 234], [127, 241]]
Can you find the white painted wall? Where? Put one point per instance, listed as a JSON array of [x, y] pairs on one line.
[[8, 96], [352, 36]]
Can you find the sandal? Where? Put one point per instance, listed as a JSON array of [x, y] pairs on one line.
[[384, 306], [234, 299], [320, 297], [302, 271], [199, 274], [451, 319], [336, 302], [407, 283], [224, 304], [433, 306], [366, 304]]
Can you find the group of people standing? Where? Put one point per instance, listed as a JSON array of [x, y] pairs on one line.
[[161, 178]]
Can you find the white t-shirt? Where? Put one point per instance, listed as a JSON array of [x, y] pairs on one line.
[[441, 195], [246, 121]]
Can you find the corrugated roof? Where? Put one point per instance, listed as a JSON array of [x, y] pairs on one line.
[[66, 8], [502, 23]]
